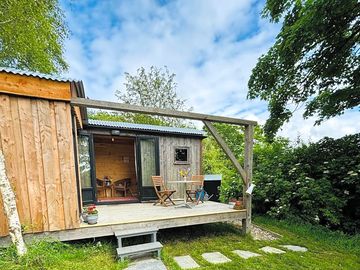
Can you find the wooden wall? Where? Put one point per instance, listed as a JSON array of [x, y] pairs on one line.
[[111, 160], [168, 169], [36, 138]]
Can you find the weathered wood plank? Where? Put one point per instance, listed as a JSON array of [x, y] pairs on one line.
[[18, 178], [248, 165], [34, 87], [107, 105], [226, 149], [39, 164], [65, 162], [144, 215], [31, 166], [51, 165]]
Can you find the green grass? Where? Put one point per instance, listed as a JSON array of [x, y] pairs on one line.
[[327, 250], [61, 256]]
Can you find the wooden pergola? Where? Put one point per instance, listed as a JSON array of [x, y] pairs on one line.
[[245, 171]]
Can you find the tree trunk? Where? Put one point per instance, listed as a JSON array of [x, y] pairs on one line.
[[11, 212]]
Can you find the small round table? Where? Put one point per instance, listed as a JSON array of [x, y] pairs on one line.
[[185, 204]]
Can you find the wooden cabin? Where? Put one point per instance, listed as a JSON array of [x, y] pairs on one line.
[[57, 160], [118, 159]]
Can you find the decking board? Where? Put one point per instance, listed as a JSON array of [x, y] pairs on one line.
[[143, 215]]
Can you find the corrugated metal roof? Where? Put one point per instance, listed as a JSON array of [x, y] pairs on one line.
[[144, 127], [37, 74]]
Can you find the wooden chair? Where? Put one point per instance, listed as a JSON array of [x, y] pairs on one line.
[[100, 186], [192, 188], [161, 191], [122, 185]]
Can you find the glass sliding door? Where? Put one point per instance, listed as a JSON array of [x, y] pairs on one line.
[[148, 165], [86, 169]]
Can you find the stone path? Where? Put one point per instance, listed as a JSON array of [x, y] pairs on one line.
[[147, 264], [295, 248], [186, 262], [215, 257], [245, 254], [268, 249]]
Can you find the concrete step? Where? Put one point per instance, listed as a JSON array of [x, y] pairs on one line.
[[123, 252]]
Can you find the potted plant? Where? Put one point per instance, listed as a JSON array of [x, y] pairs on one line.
[[184, 173], [84, 213], [92, 214], [233, 194]]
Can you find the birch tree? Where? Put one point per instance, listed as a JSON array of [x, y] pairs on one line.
[[9, 203]]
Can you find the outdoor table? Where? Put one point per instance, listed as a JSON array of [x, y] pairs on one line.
[[183, 182]]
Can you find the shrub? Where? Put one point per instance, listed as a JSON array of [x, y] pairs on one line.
[[318, 182]]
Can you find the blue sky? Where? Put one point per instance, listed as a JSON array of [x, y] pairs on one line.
[[211, 46]]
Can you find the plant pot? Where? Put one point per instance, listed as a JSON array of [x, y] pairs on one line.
[[84, 217], [92, 219], [238, 205]]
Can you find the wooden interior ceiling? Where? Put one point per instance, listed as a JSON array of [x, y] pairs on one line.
[[113, 139]]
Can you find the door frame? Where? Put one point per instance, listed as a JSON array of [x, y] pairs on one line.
[[93, 188], [138, 166]]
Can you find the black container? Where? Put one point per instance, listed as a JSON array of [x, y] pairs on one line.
[[212, 184]]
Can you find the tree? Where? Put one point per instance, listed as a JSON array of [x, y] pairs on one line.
[[32, 35], [156, 88], [10, 209], [314, 61]]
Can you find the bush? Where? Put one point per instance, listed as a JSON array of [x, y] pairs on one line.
[[318, 182]]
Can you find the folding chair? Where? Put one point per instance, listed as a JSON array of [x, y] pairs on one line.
[[193, 188], [161, 191]]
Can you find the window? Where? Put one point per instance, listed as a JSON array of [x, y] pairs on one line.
[[84, 161], [182, 155]]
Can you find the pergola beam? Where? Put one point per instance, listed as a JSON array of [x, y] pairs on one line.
[[115, 106], [226, 149]]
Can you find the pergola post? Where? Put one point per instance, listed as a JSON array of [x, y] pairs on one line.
[[248, 166]]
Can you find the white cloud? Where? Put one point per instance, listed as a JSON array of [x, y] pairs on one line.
[[211, 46]]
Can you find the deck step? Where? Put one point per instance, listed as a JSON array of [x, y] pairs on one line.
[[135, 232], [123, 252]]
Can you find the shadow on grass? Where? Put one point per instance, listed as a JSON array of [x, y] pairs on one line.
[[197, 231]]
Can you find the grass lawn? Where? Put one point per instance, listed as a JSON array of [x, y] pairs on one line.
[[327, 250]]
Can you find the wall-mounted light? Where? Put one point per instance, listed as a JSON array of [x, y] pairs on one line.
[[115, 132], [250, 189]]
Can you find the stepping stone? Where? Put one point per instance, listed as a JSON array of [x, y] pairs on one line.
[[186, 262], [215, 257], [245, 254], [295, 248], [148, 264], [272, 250]]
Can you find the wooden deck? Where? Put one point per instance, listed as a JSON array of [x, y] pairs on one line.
[[139, 215]]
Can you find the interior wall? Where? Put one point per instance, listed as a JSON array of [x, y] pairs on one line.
[[36, 139], [115, 159]]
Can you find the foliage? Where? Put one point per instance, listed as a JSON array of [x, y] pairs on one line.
[[154, 88], [318, 183], [315, 60], [32, 35], [91, 209], [130, 118]]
